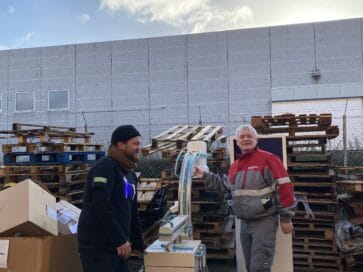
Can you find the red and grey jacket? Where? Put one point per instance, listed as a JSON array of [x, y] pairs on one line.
[[260, 186]]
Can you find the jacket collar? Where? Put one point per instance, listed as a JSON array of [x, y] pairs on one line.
[[121, 159], [249, 154]]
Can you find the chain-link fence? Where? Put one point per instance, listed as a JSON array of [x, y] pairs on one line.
[[347, 148]]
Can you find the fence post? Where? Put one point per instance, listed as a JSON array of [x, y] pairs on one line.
[[345, 152]]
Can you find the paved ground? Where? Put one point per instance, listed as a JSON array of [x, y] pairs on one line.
[[213, 266]]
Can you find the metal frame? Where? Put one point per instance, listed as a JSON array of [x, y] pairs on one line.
[[61, 109], [32, 110]]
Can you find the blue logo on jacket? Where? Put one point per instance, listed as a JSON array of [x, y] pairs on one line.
[[130, 190]]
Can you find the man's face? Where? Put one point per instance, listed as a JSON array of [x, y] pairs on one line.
[[131, 148], [246, 141]]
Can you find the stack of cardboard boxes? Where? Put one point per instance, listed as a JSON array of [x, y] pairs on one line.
[[36, 232], [45, 164]]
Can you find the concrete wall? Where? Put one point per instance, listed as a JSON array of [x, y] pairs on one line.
[[219, 77], [333, 48]]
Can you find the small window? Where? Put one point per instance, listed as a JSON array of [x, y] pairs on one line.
[[24, 101], [58, 100]]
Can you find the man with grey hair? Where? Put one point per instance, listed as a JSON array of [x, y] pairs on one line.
[[262, 195]]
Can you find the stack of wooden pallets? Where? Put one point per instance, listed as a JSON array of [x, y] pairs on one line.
[[351, 184], [210, 219], [58, 158], [314, 245]]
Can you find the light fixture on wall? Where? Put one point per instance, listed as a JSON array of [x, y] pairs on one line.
[[316, 74]]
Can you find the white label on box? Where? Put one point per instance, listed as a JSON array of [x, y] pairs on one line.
[[70, 214], [63, 219], [45, 158], [4, 250], [91, 157], [23, 158], [52, 213], [73, 228]]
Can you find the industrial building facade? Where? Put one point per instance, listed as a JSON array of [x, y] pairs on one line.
[[220, 78]]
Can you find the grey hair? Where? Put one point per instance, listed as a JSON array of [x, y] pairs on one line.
[[247, 127]]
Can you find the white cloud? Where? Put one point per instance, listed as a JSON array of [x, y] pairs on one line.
[[3, 47], [25, 38], [186, 15], [11, 10], [28, 36], [84, 18]]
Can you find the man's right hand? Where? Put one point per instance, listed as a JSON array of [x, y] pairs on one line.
[[124, 250], [199, 172]]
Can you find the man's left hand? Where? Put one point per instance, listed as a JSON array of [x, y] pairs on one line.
[[286, 227], [138, 254]]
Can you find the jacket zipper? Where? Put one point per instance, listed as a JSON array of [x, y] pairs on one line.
[[244, 180]]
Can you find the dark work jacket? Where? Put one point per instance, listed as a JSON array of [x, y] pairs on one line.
[[109, 217]]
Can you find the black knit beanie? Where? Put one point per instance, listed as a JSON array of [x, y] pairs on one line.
[[123, 134]]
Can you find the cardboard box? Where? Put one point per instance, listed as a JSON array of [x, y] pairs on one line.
[[42, 254], [26, 209], [67, 216], [181, 259]]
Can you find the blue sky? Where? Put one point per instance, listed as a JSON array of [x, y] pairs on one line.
[[25, 23]]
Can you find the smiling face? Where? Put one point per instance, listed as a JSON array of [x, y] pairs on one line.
[[246, 140], [131, 148]]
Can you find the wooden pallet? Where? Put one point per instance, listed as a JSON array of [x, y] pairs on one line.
[[295, 131], [322, 216], [289, 119], [318, 261], [45, 173], [321, 206], [203, 194], [313, 225], [151, 184], [313, 177], [44, 169], [31, 133], [171, 141], [350, 186], [210, 227], [304, 267], [354, 260], [315, 244], [65, 179], [75, 197], [308, 148], [176, 133], [221, 254], [298, 168], [64, 189], [51, 147], [52, 158], [207, 216], [354, 206], [309, 157], [151, 234], [219, 153], [350, 170], [302, 232], [315, 190], [198, 206], [38, 127]]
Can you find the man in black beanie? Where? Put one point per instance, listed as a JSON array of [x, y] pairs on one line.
[[109, 226]]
